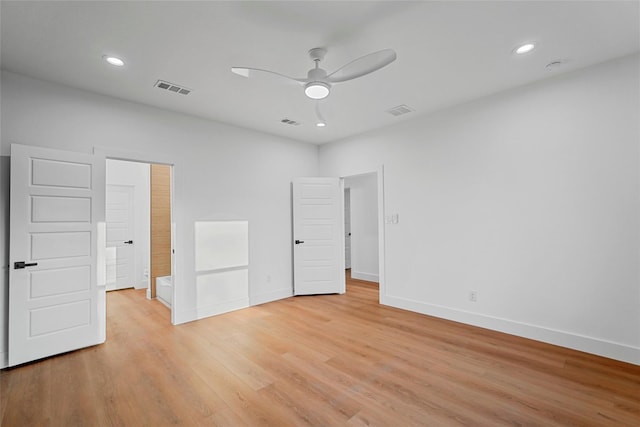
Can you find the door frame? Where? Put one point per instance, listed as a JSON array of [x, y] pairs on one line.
[[379, 171], [153, 158]]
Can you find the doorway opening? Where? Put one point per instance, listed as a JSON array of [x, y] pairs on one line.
[[139, 236], [363, 230]]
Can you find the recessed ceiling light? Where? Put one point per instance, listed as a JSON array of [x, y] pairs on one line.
[[321, 124], [113, 60], [525, 48]]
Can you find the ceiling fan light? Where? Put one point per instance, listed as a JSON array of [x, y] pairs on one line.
[[316, 90]]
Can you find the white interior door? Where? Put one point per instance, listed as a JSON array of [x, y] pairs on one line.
[[318, 226], [57, 200], [347, 228], [120, 252]]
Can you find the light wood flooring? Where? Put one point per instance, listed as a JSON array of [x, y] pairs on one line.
[[323, 360]]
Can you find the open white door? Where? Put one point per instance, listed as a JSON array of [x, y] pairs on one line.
[[57, 200], [120, 255], [347, 228], [318, 252]]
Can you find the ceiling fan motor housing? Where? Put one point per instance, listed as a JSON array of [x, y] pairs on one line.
[[318, 87], [317, 75]]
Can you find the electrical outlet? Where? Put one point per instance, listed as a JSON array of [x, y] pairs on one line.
[[473, 296]]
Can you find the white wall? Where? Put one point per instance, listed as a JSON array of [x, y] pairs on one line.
[[364, 226], [221, 172], [136, 175], [529, 197]]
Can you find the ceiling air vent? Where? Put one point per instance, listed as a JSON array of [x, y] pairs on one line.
[[290, 122], [172, 87], [400, 110]]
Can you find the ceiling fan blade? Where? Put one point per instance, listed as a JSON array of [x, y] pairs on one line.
[[363, 66], [257, 73]]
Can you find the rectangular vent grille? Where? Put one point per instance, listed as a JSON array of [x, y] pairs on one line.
[[400, 110], [172, 87], [290, 122]]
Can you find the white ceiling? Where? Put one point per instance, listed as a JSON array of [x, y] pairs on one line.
[[448, 53]]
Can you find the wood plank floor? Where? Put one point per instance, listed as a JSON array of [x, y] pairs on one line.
[[324, 360]]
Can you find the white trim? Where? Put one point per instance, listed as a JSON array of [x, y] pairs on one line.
[[584, 343], [210, 310], [342, 273], [4, 359], [380, 278], [101, 272], [382, 281], [154, 158], [364, 276], [271, 296], [163, 302], [133, 156]]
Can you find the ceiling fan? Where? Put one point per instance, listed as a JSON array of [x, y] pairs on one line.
[[317, 84]]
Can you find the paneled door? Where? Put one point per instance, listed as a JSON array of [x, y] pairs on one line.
[[347, 228], [57, 200], [318, 233], [120, 256]]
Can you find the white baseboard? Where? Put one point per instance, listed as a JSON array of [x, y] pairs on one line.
[[612, 350], [210, 310], [163, 302], [141, 285], [271, 296], [369, 277], [4, 359]]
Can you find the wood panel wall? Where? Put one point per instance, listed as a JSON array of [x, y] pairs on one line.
[[160, 223]]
